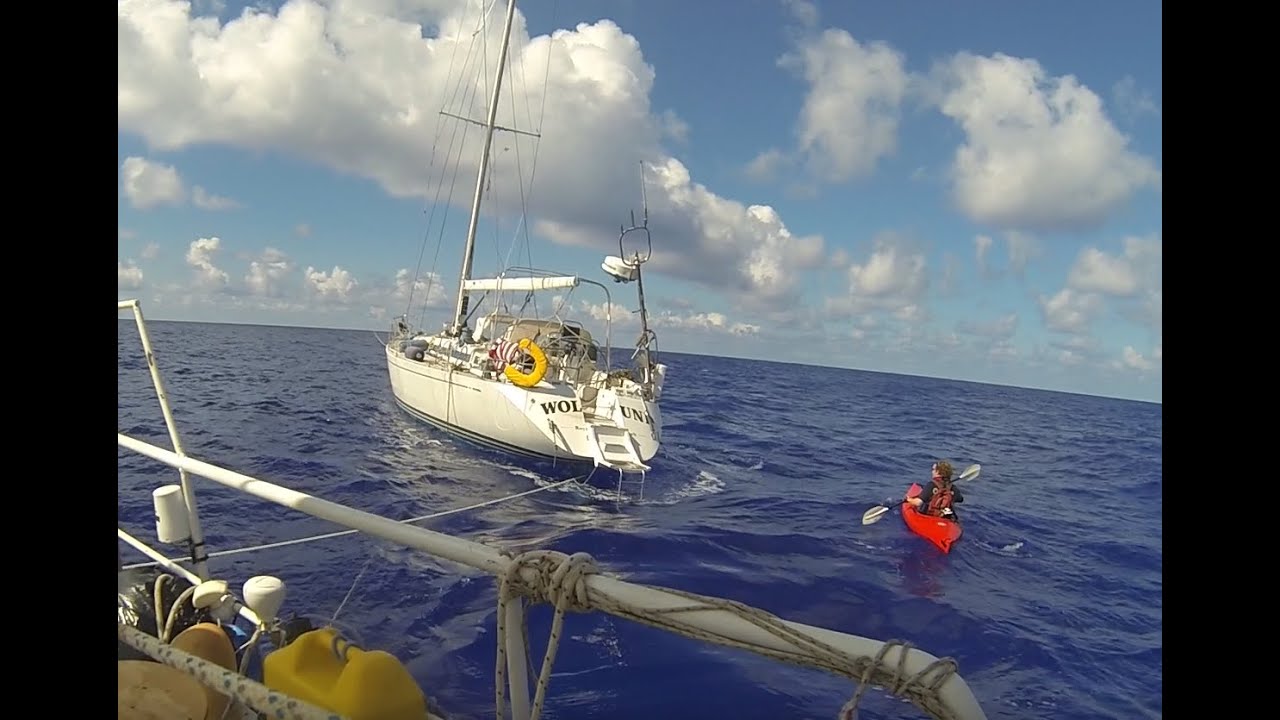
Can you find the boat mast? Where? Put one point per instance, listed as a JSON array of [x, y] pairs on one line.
[[460, 314]]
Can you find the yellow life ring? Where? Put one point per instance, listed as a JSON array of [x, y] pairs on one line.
[[518, 376]]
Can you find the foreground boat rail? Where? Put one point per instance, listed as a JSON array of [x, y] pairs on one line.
[[573, 583]]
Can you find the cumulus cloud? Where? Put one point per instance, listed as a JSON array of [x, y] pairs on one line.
[[336, 286], [1135, 275], [891, 272], [704, 321], [1069, 311], [149, 184], [1040, 153], [849, 120], [208, 201], [746, 250], [766, 166], [429, 290], [891, 280], [1133, 359], [200, 256], [128, 277], [356, 88], [1097, 271], [266, 273]]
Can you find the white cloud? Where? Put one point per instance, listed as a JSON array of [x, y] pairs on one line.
[[151, 251], [765, 166], [336, 286], [208, 201], [849, 120], [356, 88], [600, 311], [148, 184], [1133, 359], [1137, 272], [704, 321], [200, 255], [891, 280], [266, 273], [1069, 311], [744, 249], [431, 288], [673, 127], [892, 272], [1096, 271], [128, 277], [1040, 152]]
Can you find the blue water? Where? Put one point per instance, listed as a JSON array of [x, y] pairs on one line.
[[1051, 602]]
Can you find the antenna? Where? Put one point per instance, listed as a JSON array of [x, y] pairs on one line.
[[644, 197]]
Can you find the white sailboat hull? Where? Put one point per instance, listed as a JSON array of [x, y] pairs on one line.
[[545, 421]]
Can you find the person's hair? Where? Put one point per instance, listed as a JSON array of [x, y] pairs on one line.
[[944, 470]]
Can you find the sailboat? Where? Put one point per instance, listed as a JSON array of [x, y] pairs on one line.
[[537, 387]]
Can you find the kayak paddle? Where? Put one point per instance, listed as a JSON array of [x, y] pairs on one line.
[[879, 511]]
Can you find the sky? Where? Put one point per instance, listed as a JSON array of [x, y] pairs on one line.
[[959, 190]]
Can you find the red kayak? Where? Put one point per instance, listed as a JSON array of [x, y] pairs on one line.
[[940, 532]]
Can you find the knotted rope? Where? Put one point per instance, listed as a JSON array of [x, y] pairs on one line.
[[558, 579], [914, 688]]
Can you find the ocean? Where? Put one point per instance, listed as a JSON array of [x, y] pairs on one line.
[[1051, 603]]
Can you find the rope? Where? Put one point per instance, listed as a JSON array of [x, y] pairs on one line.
[[340, 533], [945, 668], [560, 580], [355, 582]]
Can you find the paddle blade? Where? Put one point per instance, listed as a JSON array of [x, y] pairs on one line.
[[970, 472], [874, 514]]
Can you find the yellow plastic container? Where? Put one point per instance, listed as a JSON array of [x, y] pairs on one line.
[[324, 669]]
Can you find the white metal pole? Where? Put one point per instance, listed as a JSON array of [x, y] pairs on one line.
[[199, 553], [467, 254], [517, 667]]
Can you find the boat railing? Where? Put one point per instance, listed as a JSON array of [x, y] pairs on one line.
[[572, 582]]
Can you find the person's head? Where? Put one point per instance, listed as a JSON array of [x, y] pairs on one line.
[[942, 472]]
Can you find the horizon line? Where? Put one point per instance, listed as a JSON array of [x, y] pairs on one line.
[[1159, 402]]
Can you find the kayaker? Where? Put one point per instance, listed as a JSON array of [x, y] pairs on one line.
[[938, 497]]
